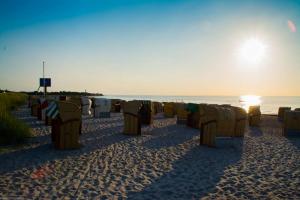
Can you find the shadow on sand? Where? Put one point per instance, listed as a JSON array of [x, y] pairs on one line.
[[45, 152], [195, 173]]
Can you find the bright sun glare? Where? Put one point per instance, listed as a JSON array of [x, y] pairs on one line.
[[249, 100], [252, 51]]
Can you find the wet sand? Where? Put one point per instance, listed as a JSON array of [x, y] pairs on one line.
[[166, 162]]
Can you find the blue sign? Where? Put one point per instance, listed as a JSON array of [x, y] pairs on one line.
[[45, 82]]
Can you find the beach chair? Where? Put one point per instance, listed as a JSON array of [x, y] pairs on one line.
[[102, 107], [291, 122], [41, 109], [51, 107], [193, 116], [182, 113], [115, 105], [132, 121], [240, 121], [281, 112], [221, 121], [63, 98], [226, 121], [76, 100], [146, 112], [86, 105], [208, 129], [254, 115], [158, 107], [122, 103], [66, 123], [169, 109]]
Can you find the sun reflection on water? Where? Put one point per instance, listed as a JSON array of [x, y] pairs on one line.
[[249, 100]]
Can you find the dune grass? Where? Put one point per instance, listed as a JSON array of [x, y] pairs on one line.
[[12, 130]]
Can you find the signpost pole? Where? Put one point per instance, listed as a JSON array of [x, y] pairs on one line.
[[45, 88]]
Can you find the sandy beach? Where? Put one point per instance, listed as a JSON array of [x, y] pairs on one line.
[[166, 162]]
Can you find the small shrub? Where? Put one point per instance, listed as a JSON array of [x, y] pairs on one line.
[[12, 130]]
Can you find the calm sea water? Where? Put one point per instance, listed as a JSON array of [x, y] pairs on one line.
[[269, 105]]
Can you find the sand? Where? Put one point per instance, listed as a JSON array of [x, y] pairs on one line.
[[166, 162]]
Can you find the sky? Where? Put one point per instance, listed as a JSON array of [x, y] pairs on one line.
[[157, 47]]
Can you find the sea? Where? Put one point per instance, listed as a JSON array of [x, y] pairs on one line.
[[268, 104]]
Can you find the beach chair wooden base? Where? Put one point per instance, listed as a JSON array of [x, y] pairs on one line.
[[240, 126], [208, 133], [66, 135], [193, 120], [132, 124]]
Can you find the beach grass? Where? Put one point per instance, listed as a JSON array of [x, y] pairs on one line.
[[12, 130]]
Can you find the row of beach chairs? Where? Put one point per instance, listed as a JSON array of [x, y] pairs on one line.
[[64, 115]]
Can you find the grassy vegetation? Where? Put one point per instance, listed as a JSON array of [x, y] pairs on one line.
[[12, 130]]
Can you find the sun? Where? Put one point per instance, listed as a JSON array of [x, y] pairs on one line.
[[252, 51]]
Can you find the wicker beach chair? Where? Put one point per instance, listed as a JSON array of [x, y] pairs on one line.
[[193, 117], [221, 121], [254, 115], [102, 107], [208, 129], [132, 121], [41, 109], [281, 112], [169, 109], [182, 113], [158, 107], [66, 125], [240, 121], [146, 112], [86, 105], [115, 105], [291, 122]]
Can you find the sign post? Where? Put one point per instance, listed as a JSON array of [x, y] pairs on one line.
[[45, 82]]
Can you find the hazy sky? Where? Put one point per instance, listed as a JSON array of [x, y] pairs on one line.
[[150, 47]]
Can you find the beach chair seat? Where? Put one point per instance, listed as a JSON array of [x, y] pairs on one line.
[[281, 112], [169, 109], [102, 107], [132, 121], [291, 122], [66, 125], [254, 115]]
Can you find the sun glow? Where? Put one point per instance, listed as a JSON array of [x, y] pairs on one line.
[[249, 100], [252, 51]]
